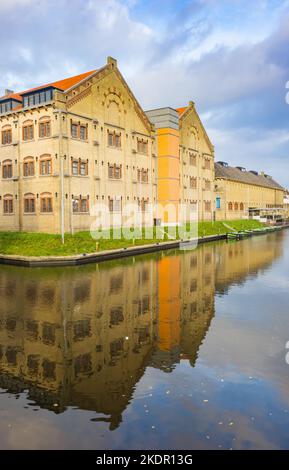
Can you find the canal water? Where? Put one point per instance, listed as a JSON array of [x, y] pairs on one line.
[[175, 350]]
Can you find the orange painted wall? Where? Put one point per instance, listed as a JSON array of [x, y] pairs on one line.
[[169, 303], [168, 170]]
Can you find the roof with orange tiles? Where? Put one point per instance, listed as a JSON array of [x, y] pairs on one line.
[[60, 85], [181, 110]]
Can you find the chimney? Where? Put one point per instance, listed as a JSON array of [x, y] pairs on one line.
[[111, 61], [8, 92], [262, 173]]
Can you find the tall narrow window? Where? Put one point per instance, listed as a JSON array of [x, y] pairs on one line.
[[45, 165], [79, 131], [193, 159], [79, 168], [207, 185], [113, 139], [80, 205], [28, 131], [83, 132], [114, 171], [44, 128], [207, 164], [8, 204], [193, 182], [142, 146], [7, 171], [46, 203], [6, 136], [207, 206], [28, 166], [241, 206], [230, 206], [29, 203], [74, 130], [114, 204]]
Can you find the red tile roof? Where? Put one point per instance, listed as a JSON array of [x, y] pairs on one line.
[[181, 110], [61, 85]]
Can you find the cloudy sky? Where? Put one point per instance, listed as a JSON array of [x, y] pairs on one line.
[[231, 57]]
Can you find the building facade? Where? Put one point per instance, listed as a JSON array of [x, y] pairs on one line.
[[243, 194], [72, 145], [185, 164]]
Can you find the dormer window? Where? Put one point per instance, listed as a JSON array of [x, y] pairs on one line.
[[37, 97], [8, 105]]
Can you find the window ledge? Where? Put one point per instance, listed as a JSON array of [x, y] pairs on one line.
[[27, 141], [81, 213], [7, 215], [44, 138], [85, 141]]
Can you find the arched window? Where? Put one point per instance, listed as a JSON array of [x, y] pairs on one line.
[[241, 206], [6, 135], [230, 206], [29, 203], [7, 171], [8, 204], [44, 127], [46, 205], [45, 165], [236, 206], [28, 166], [28, 130]]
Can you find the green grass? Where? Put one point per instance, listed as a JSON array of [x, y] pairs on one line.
[[42, 244]]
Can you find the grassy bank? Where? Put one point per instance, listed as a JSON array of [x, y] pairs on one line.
[[42, 244]]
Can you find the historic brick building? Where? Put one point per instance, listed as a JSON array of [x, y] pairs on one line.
[[71, 144], [242, 194]]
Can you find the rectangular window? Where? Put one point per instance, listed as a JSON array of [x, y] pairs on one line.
[[80, 205], [44, 129], [207, 206], [7, 170], [113, 139], [193, 159], [207, 164], [79, 168], [83, 132], [114, 205], [218, 203], [114, 171], [28, 169], [28, 132], [142, 146], [207, 185], [45, 167], [74, 131], [8, 206], [46, 204], [7, 137], [193, 182], [83, 168], [29, 205]]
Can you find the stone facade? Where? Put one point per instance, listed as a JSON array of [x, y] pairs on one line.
[[99, 147], [241, 194]]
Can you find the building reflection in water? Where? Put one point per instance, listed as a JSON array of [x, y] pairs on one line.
[[83, 337]]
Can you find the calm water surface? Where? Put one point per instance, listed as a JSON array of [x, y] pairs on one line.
[[181, 350]]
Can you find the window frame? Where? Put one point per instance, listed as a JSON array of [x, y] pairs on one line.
[[46, 202], [7, 163], [28, 163], [45, 159], [31, 199], [8, 203], [5, 132]]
